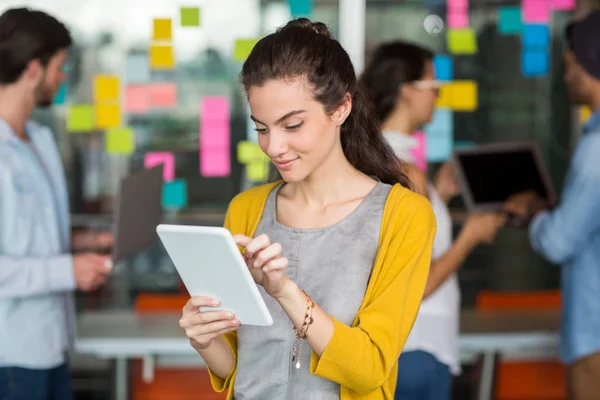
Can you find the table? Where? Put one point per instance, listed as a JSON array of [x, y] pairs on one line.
[[158, 339]]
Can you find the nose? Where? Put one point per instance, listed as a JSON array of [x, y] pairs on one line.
[[277, 144]]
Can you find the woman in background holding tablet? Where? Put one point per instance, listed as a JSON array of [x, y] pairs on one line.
[[340, 247], [400, 80]]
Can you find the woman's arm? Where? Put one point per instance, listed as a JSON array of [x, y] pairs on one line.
[[219, 356]]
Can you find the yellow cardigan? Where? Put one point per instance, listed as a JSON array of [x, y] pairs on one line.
[[363, 358]]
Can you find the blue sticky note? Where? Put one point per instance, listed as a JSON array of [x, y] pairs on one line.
[[300, 7], [535, 62], [137, 68], [443, 67], [61, 96], [174, 194], [509, 20], [439, 136], [535, 36]]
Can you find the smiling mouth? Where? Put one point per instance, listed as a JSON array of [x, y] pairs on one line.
[[284, 164]]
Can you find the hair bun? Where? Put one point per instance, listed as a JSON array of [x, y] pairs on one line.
[[317, 27]]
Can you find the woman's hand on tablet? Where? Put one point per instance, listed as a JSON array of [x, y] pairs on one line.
[[201, 327], [265, 262]]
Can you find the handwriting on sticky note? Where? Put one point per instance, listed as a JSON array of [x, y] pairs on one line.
[[458, 19], [164, 157], [462, 41], [108, 116], [162, 29], [120, 141], [137, 68], [257, 171], [300, 8], [174, 194], [215, 162], [162, 57], [163, 95], [80, 118], [464, 95], [106, 89], [509, 20], [190, 16], [536, 11], [137, 99], [243, 48]]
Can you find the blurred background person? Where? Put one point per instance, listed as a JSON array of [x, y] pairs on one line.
[[401, 81]]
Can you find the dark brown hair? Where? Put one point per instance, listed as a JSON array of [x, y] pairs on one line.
[[303, 49]]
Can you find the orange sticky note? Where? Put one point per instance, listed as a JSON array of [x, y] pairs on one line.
[[162, 29], [163, 95], [106, 88], [162, 57], [137, 99], [108, 116]]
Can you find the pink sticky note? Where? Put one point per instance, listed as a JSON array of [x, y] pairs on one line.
[[137, 99], [536, 11], [419, 151], [214, 134], [163, 157], [562, 4], [215, 108], [457, 5], [457, 19], [215, 162], [163, 95]]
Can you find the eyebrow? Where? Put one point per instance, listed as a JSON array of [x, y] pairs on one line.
[[280, 120]]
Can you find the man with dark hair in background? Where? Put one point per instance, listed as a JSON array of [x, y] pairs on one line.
[[38, 274], [569, 234]]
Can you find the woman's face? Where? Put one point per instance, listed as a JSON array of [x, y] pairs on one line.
[[293, 128], [421, 96]]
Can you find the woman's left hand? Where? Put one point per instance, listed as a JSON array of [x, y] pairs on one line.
[[265, 262]]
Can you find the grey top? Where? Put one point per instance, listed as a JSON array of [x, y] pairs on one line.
[[333, 265]]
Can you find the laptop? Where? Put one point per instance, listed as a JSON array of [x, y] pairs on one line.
[[137, 213], [490, 174]]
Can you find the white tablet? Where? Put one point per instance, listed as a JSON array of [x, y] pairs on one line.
[[210, 264]]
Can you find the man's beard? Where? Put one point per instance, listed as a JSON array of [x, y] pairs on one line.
[[44, 96]]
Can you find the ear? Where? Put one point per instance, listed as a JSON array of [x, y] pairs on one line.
[[341, 113], [34, 71]]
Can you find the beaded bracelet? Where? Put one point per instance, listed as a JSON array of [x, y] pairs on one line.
[[301, 334]]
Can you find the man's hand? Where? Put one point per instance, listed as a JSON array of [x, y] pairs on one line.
[[91, 270], [524, 205]]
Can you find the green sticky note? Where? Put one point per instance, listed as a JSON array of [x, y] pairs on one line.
[[80, 118], [174, 194], [462, 41], [120, 141], [243, 48], [190, 16]]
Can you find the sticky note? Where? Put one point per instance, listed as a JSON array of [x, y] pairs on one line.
[[535, 62], [458, 5], [509, 20], [565, 5], [214, 122], [164, 157], [120, 141], [464, 96], [215, 162], [443, 67], [174, 194], [190, 16], [462, 41], [248, 152], [536, 11], [300, 7], [439, 136], [106, 89], [137, 68], [243, 48], [162, 29], [137, 99], [419, 151], [257, 171], [535, 35], [163, 95], [445, 96], [80, 118], [457, 19], [584, 114], [215, 108], [162, 57], [61, 95], [108, 116]]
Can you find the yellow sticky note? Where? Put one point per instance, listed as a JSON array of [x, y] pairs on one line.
[[257, 171], [161, 57], [584, 114], [108, 116], [445, 97], [162, 29], [106, 88], [120, 141], [80, 118], [462, 41], [247, 152], [243, 48], [464, 96]]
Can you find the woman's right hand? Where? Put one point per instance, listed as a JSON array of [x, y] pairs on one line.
[[201, 327], [483, 227]]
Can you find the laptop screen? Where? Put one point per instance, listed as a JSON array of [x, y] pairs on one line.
[[495, 176]]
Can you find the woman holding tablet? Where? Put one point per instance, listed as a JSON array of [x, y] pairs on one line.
[[340, 248], [400, 80]]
